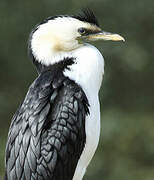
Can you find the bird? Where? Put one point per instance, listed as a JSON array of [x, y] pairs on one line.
[[55, 131]]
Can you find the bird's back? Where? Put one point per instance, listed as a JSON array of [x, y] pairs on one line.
[[47, 134]]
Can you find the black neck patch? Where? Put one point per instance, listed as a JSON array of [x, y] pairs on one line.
[[57, 67]]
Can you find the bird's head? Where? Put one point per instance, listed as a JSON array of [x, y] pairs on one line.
[[62, 34]]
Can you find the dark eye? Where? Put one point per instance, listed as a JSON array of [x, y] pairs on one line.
[[82, 31]]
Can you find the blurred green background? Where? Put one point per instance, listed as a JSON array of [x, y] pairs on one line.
[[126, 149]]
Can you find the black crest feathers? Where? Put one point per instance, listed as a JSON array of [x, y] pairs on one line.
[[87, 15]]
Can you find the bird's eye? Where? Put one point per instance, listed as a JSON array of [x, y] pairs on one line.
[[82, 31]]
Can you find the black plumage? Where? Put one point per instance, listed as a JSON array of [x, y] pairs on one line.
[[87, 15], [47, 133]]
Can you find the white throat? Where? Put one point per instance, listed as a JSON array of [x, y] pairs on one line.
[[88, 69]]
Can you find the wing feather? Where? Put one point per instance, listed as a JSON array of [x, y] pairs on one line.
[[47, 133]]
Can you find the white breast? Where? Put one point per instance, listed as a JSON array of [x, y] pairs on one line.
[[87, 72]]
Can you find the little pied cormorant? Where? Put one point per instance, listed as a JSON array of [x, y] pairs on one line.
[[55, 131]]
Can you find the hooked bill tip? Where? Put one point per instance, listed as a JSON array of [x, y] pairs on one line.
[[117, 37]]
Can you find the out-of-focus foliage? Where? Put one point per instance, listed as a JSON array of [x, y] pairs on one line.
[[126, 149]]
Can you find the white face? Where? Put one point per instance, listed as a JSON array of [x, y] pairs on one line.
[[59, 35]]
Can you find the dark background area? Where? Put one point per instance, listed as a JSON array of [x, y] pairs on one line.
[[126, 148]]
